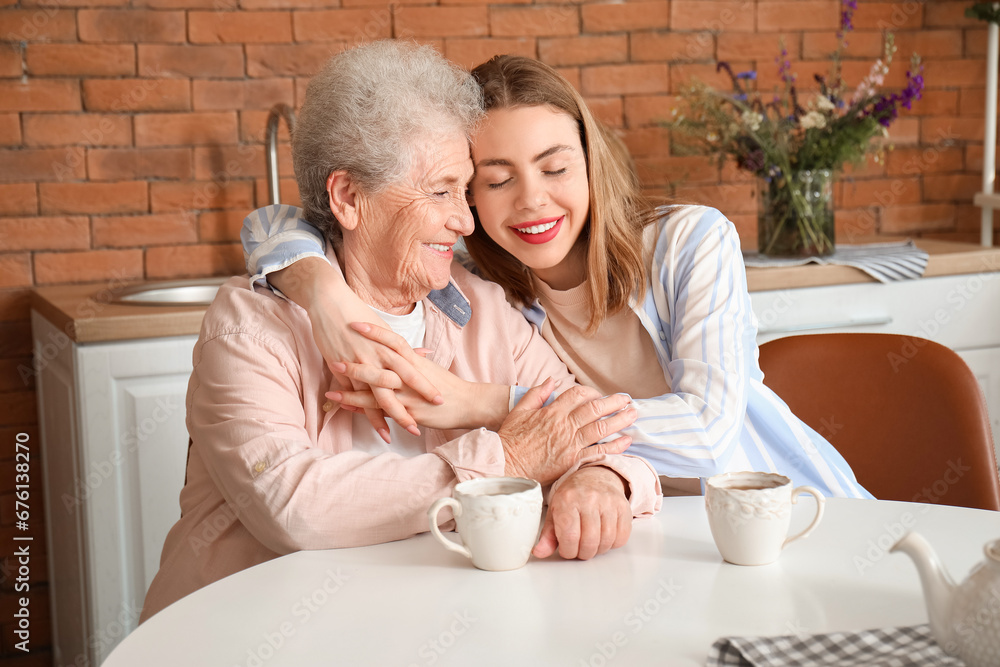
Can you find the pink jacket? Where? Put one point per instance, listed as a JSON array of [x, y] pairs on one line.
[[271, 469]]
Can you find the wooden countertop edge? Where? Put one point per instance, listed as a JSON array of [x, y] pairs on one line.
[[946, 259]]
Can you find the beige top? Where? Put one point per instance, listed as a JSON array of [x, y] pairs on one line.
[[632, 369]]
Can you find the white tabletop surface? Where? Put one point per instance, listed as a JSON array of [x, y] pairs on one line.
[[660, 600]]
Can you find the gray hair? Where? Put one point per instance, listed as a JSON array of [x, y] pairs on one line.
[[363, 113]]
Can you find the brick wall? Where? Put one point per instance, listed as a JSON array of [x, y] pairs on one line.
[[130, 132]]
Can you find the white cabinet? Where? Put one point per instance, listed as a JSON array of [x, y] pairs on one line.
[[959, 311], [114, 450]]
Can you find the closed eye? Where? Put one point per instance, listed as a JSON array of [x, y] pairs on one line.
[[497, 186], [557, 172]]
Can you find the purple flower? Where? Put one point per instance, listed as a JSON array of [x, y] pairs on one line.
[[848, 7], [750, 74]]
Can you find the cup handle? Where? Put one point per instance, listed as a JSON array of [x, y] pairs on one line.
[[820, 504], [432, 514]]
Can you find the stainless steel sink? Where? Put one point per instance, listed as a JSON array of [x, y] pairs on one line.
[[198, 292]]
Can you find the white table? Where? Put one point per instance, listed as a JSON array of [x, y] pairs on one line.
[[660, 600]]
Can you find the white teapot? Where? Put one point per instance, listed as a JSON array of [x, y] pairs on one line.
[[965, 618]]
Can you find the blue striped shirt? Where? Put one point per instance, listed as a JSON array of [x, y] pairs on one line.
[[719, 416]]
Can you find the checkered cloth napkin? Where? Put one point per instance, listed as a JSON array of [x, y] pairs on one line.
[[887, 647]]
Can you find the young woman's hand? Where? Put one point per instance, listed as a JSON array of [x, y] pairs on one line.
[[462, 404], [321, 290]]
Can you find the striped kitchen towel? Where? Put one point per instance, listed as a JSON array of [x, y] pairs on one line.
[[885, 262]]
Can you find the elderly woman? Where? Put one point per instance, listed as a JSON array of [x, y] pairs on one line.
[[382, 159]]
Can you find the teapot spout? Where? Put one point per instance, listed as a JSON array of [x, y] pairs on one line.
[[939, 589]]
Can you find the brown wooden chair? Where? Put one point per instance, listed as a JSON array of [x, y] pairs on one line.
[[906, 413]]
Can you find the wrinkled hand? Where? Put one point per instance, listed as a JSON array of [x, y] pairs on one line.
[[462, 404], [588, 515], [542, 443]]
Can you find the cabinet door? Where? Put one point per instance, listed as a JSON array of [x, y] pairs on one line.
[[985, 363], [134, 455]]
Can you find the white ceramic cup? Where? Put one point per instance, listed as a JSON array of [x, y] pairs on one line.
[[749, 514], [498, 519]]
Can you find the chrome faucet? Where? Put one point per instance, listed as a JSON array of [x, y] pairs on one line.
[[278, 111]]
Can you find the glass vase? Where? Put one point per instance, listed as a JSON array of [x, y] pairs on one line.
[[795, 214]]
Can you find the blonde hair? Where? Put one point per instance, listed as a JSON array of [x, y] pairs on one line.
[[618, 210]]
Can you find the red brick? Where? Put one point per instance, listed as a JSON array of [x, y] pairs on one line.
[[608, 110], [648, 141], [252, 94], [63, 4], [15, 269], [917, 217], [548, 21], [188, 4], [352, 25], [560, 51], [645, 110], [670, 169], [971, 102], [930, 44], [443, 22], [947, 14], [72, 129], [291, 4], [618, 17], [126, 164], [891, 16], [728, 197], [87, 266], [224, 62], [200, 195], [43, 25], [80, 59], [938, 103], [39, 95], [928, 159], [904, 131], [631, 78], [763, 46], [265, 60], [288, 192], [144, 230], [214, 226], [10, 129], [797, 15], [224, 163], [195, 261], [56, 233], [253, 124], [956, 72], [120, 197], [183, 129], [130, 26], [881, 192], [10, 61], [683, 75], [132, 95], [951, 187], [18, 199], [726, 16], [469, 52], [936, 130], [860, 44], [975, 43], [673, 46], [43, 164], [239, 27]]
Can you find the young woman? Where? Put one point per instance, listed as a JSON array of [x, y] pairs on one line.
[[650, 302]]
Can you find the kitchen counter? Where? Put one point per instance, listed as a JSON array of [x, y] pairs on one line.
[[85, 312], [947, 258]]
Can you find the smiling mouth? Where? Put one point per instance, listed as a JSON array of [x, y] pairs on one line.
[[440, 247], [539, 231]]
